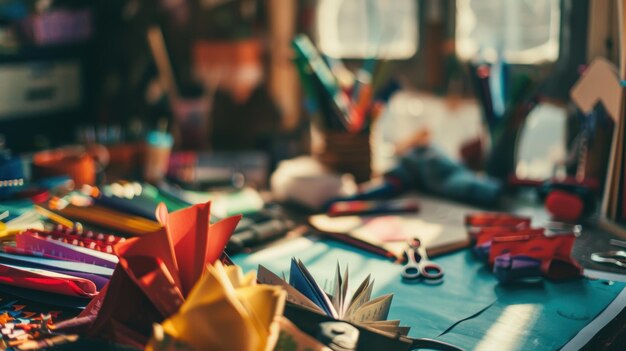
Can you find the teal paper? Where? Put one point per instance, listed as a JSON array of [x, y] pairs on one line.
[[539, 317]]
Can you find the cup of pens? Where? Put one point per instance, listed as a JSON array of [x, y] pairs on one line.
[[343, 152], [341, 114]]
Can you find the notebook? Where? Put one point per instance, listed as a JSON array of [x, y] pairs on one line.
[[439, 225]]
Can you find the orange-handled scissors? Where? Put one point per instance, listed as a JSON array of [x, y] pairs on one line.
[[418, 266]]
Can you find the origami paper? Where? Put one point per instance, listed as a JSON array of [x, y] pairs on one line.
[[224, 311], [155, 275]]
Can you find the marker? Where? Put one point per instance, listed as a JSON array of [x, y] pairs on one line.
[[340, 103], [361, 207]]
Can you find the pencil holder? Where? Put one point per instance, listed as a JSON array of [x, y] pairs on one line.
[[343, 152]]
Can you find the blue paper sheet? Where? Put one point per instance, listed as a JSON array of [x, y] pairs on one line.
[[299, 280], [539, 317]]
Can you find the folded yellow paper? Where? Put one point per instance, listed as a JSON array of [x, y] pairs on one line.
[[225, 310]]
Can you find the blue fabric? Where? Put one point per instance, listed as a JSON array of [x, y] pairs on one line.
[[538, 317], [427, 169]]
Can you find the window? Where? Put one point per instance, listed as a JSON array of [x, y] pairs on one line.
[[522, 31], [367, 28], [541, 145]]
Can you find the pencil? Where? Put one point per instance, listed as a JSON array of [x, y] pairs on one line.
[[111, 219], [358, 243], [54, 217]]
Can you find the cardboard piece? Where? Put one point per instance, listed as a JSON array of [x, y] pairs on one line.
[[599, 83]]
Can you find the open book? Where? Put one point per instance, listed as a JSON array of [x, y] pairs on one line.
[[357, 307]]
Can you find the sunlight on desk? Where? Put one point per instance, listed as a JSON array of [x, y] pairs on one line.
[[509, 330], [534, 318]]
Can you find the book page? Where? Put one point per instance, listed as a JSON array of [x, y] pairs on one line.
[[390, 326], [360, 297], [265, 276], [373, 310], [301, 279], [345, 299], [337, 298]]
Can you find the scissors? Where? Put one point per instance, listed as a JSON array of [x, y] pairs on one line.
[[617, 258], [418, 265]]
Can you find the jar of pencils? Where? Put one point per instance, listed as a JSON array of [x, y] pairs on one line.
[[343, 152]]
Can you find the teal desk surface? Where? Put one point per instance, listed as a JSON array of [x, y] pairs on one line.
[[469, 309]]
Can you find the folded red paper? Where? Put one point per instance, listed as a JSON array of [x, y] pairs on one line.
[[155, 273]]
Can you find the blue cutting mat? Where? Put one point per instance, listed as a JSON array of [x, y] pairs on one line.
[[540, 317]]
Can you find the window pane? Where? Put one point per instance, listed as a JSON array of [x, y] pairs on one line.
[[367, 28], [525, 31]]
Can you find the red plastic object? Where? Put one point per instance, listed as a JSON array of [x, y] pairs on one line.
[[488, 234], [478, 221], [564, 206], [490, 219], [553, 252]]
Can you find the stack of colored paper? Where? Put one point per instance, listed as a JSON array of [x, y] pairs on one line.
[[63, 261]]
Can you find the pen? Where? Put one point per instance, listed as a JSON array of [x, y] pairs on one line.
[[362, 105], [360, 244], [483, 72], [362, 207], [54, 217], [124, 205]]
